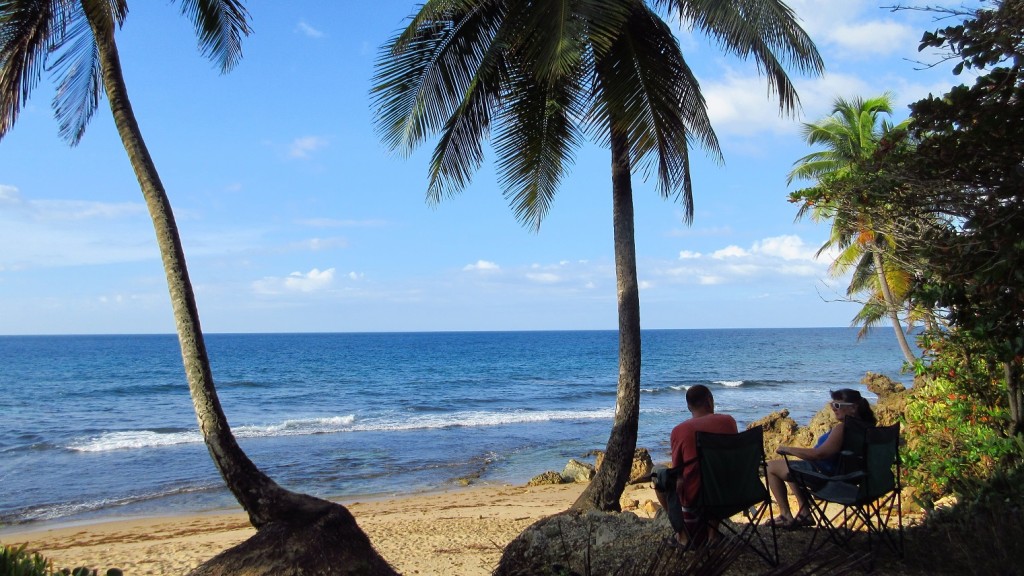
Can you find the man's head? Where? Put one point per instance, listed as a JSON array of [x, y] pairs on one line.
[[699, 399]]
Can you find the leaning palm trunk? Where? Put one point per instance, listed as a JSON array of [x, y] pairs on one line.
[[890, 306], [292, 529], [604, 491]]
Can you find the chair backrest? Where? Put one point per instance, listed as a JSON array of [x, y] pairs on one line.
[[881, 459], [729, 471], [854, 448]]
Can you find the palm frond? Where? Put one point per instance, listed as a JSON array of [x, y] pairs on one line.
[[536, 142], [423, 74], [459, 151], [26, 31], [768, 30], [78, 67], [220, 26], [645, 83]]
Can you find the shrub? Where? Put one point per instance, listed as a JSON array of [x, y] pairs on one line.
[[956, 422]]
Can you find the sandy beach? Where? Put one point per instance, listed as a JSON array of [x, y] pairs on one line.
[[458, 532]]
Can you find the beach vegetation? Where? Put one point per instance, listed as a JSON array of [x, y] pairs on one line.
[[546, 76], [851, 134], [75, 43], [946, 193], [18, 561]]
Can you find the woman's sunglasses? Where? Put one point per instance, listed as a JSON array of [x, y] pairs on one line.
[[841, 405]]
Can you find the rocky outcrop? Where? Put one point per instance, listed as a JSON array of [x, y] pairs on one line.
[[892, 397], [549, 477], [576, 471], [642, 467], [780, 429], [583, 543]]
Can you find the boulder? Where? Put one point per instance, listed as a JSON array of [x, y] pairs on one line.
[[593, 542], [892, 397], [576, 471], [642, 467], [780, 429], [549, 477], [881, 385]]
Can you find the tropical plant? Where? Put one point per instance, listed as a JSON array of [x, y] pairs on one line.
[[850, 135], [956, 421], [546, 75], [75, 41]]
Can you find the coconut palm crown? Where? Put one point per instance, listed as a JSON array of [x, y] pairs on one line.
[[548, 75]]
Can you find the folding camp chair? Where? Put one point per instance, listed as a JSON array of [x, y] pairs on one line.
[[866, 489], [731, 467]]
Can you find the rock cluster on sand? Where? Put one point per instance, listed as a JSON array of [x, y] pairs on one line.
[[583, 543], [576, 471]]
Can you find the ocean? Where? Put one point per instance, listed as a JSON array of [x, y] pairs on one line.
[[99, 427]]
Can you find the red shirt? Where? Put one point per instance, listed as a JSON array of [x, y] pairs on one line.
[[684, 449]]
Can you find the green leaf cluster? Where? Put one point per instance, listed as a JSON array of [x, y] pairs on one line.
[[17, 561], [957, 423]]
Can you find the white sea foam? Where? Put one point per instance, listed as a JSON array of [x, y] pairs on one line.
[[138, 439], [730, 383]]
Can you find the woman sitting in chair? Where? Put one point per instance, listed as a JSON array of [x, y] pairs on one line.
[[823, 458]]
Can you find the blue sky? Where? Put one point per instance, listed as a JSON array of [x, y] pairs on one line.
[[296, 218]]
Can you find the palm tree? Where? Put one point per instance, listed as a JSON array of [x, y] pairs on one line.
[[850, 135], [547, 75], [80, 35]]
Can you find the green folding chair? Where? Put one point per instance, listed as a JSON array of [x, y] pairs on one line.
[[866, 490], [731, 468]]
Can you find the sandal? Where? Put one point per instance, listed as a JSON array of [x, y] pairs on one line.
[[801, 520], [780, 522], [673, 542]]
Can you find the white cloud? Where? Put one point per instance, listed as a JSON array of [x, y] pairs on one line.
[[482, 266], [788, 247], [60, 233], [543, 277], [308, 30], [774, 258], [355, 276], [302, 147], [873, 38], [9, 195], [313, 281], [688, 255], [729, 252], [319, 244]]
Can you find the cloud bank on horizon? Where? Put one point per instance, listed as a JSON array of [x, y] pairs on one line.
[[295, 218]]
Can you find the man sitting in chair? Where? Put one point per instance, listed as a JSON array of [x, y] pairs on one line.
[[683, 441]]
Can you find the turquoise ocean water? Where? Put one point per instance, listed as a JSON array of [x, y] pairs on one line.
[[103, 426]]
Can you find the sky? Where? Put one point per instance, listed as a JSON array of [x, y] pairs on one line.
[[295, 217]]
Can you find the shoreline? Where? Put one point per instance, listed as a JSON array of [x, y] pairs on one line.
[[459, 531]]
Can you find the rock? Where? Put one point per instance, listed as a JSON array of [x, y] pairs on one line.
[[549, 477], [629, 504], [642, 467], [576, 471], [590, 543], [650, 507], [780, 429], [881, 385]]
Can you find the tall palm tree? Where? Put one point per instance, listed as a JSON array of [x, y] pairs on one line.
[[850, 135], [548, 74], [79, 35]]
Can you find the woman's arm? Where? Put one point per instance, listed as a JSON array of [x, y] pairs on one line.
[[832, 445]]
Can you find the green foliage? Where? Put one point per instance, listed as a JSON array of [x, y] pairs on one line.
[[16, 561], [957, 423], [983, 532]]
